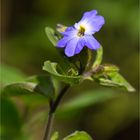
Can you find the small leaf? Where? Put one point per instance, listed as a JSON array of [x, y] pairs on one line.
[[58, 72], [107, 68], [110, 77], [55, 136], [78, 135], [37, 84], [120, 80], [99, 56], [51, 35]]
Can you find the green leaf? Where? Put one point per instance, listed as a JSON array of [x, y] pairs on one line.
[[99, 57], [109, 76], [10, 121], [10, 75], [55, 136], [69, 77], [40, 84], [51, 35], [78, 135], [118, 80]]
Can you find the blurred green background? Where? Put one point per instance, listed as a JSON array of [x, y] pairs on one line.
[[25, 47]]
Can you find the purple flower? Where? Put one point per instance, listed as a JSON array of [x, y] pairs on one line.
[[81, 34]]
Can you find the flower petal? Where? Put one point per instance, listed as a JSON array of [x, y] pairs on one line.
[[91, 22], [62, 42], [91, 42], [70, 31], [95, 24], [89, 14], [71, 47], [80, 46]]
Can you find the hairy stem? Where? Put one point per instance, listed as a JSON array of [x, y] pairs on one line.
[[53, 107]]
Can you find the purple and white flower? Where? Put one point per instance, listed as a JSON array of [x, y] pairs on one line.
[[76, 37]]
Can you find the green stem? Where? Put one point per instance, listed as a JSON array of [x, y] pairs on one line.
[[53, 108], [58, 99], [49, 126]]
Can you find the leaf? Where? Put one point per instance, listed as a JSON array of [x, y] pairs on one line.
[[44, 85], [78, 135], [108, 75], [10, 75], [55, 136], [51, 35], [40, 84], [113, 78], [120, 80], [99, 57], [58, 72], [10, 121]]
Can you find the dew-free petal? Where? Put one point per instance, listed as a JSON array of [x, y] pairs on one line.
[[91, 22], [70, 31], [91, 42], [96, 23], [71, 47], [62, 42], [81, 34], [80, 45], [88, 15]]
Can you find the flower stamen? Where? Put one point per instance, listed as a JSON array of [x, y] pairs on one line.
[[81, 31]]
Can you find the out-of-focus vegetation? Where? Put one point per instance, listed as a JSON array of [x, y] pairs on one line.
[[106, 114]]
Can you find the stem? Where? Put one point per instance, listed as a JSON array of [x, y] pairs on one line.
[[53, 107], [58, 99], [49, 127]]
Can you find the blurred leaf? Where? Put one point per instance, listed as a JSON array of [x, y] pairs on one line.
[[78, 135], [55, 136], [10, 121], [10, 75], [44, 85], [58, 72], [86, 99], [51, 35], [41, 84]]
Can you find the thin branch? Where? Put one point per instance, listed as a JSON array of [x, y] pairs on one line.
[[58, 99], [53, 107], [49, 127]]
